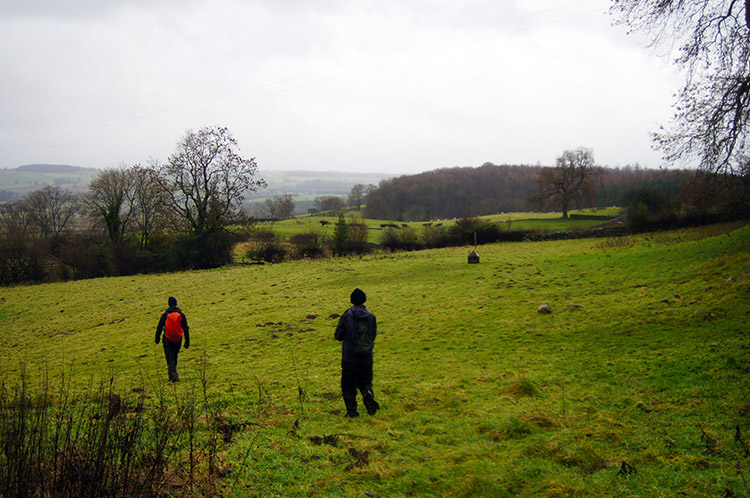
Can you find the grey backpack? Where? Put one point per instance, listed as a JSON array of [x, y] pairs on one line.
[[364, 336]]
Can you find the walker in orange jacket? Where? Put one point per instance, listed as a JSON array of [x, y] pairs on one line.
[[175, 326]]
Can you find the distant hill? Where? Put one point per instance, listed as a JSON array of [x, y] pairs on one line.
[[305, 186], [16, 182], [52, 168], [313, 182]]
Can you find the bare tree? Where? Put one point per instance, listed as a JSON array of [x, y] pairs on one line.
[[52, 208], [271, 206], [329, 203], [19, 252], [206, 177], [712, 111], [111, 198], [357, 195], [280, 206], [150, 201], [15, 218], [286, 207], [260, 210], [573, 179]]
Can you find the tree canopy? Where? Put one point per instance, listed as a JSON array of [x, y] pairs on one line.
[[452, 193], [111, 198], [573, 180], [207, 177], [712, 111], [52, 208]]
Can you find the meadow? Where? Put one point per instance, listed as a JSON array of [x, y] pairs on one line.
[[635, 385], [324, 225]]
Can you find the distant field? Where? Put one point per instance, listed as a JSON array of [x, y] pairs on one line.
[[22, 182], [512, 221], [305, 185], [635, 385]]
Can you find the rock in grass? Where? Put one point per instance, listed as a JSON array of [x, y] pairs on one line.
[[544, 309]]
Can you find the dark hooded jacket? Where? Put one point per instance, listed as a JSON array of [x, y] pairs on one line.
[[345, 333]]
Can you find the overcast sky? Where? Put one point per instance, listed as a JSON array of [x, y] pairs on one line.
[[392, 86]]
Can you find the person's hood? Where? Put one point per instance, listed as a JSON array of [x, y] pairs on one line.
[[359, 311]]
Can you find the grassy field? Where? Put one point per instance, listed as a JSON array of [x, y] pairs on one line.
[[26, 181], [512, 221], [635, 386]]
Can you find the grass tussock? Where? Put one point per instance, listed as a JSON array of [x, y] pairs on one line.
[[522, 387]]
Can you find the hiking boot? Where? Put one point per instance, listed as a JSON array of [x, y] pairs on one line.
[[370, 403]]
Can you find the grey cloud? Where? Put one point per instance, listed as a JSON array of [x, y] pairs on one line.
[[78, 9]]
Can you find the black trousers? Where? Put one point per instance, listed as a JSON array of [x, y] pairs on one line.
[[355, 377], [171, 350]]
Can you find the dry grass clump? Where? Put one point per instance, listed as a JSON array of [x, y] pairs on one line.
[[522, 387]]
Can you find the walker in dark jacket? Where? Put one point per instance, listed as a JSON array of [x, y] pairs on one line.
[[175, 326], [356, 368]]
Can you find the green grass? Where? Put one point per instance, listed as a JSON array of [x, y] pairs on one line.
[[510, 221], [480, 394]]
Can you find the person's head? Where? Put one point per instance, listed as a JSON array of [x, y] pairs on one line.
[[358, 297], [172, 301]]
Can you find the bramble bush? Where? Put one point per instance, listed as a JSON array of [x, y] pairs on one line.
[[307, 245], [102, 443], [265, 246]]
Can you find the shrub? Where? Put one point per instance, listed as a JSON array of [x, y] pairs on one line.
[[651, 208], [462, 233], [357, 236], [19, 260], [215, 249], [307, 245], [400, 240], [494, 232], [97, 263], [340, 240], [639, 217], [265, 246], [206, 250], [433, 237], [102, 443], [79, 256], [409, 239]]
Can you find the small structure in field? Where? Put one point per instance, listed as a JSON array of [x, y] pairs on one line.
[[474, 255]]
